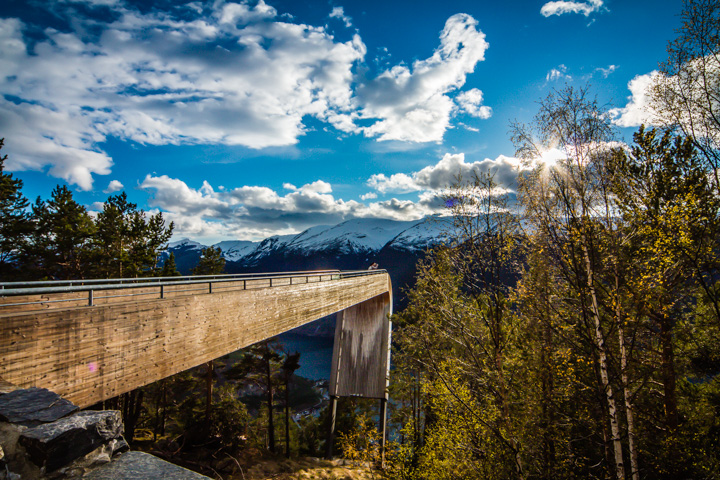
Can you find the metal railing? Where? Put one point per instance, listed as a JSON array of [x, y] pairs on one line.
[[87, 290]]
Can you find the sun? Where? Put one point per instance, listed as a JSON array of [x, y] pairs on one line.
[[550, 158]]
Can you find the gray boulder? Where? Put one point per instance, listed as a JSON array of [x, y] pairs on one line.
[[55, 445], [33, 406], [141, 466]]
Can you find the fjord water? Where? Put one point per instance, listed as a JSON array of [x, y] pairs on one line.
[[315, 353]]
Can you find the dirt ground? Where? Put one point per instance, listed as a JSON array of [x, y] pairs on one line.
[[305, 469]]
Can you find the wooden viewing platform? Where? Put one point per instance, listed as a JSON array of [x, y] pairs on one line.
[[92, 340]]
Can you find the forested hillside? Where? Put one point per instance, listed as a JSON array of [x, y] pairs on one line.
[[602, 360]]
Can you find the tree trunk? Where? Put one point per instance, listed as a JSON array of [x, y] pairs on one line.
[[547, 387], [668, 375], [270, 401], [287, 417], [164, 407], [208, 394], [132, 406], [634, 466], [603, 367]]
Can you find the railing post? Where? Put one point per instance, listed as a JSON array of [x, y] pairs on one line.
[[209, 287], [162, 291], [90, 298]]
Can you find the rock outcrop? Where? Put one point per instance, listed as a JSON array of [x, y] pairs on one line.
[[45, 437]]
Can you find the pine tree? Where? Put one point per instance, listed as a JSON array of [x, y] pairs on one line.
[[261, 365], [127, 243], [291, 362], [671, 208], [61, 243], [169, 268], [15, 224], [211, 262]]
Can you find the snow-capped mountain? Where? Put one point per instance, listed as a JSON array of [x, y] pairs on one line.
[[234, 250], [185, 243], [357, 235], [350, 245], [422, 235]]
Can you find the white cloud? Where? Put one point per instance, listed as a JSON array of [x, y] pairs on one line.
[[256, 212], [562, 7], [339, 13], [637, 111], [39, 137], [241, 13], [607, 71], [94, 2], [395, 183], [317, 186], [447, 172], [113, 186], [471, 103], [230, 74], [559, 73], [174, 195], [411, 104], [213, 73]]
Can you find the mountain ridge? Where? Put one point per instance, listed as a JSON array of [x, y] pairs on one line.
[[354, 244], [356, 235]]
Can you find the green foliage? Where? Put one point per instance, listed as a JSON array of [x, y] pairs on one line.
[[169, 268], [229, 417], [128, 243], [211, 262], [61, 243], [459, 349], [602, 360], [15, 224]]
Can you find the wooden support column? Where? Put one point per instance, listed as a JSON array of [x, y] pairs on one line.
[[361, 358]]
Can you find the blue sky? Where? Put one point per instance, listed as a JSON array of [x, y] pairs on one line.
[[240, 120]]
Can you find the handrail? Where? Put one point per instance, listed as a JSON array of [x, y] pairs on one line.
[[115, 284], [130, 280]]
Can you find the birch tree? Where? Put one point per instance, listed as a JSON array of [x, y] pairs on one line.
[[565, 202]]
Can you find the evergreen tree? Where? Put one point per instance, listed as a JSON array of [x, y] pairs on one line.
[[291, 362], [211, 262], [127, 243], [668, 200], [60, 247], [169, 268], [261, 365], [15, 223]]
